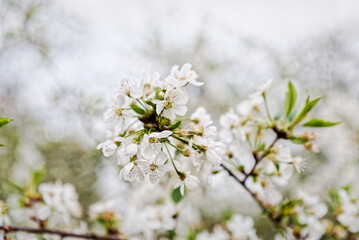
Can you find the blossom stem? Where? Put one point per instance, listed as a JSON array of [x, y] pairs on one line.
[[266, 106], [62, 234], [258, 158], [128, 128], [174, 146], [141, 104], [173, 163], [196, 147]]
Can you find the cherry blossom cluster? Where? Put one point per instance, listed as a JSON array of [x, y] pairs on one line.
[[147, 128], [54, 204], [259, 154], [239, 227]]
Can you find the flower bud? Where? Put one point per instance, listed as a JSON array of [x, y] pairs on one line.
[[182, 132]]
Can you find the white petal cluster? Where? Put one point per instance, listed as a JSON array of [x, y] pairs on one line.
[[146, 129], [61, 198], [310, 214], [247, 106], [217, 234], [238, 227], [242, 227], [350, 211]]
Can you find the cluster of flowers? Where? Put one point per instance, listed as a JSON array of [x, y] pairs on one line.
[[53, 205], [145, 118], [239, 227], [264, 167], [301, 218], [152, 139], [310, 218], [246, 124]]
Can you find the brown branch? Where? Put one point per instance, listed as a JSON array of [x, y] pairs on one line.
[[62, 234], [280, 134], [255, 197]]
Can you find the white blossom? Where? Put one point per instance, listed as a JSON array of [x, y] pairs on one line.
[[183, 76], [151, 144], [174, 103], [350, 215], [108, 148], [299, 164], [191, 182], [200, 118], [242, 227], [264, 86], [283, 154], [61, 197], [118, 109], [131, 171], [217, 234], [156, 167], [131, 87], [98, 208], [230, 122], [149, 83]]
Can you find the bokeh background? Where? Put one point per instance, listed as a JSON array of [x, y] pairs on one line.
[[60, 59]]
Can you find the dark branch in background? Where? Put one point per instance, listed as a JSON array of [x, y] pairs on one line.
[[280, 134], [8, 229]]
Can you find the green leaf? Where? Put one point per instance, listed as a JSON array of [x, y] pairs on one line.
[[16, 187], [319, 123], [37, 176], [298, 140], [137, 109], [171, 234], [176, 195], [309, 105], [277, 116], [1, 145], [290, 99], [4, 121], [261, 147], [174, 126]]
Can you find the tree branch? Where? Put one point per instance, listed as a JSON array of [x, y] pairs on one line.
[[255, 197], [62, 234], [279, 134]]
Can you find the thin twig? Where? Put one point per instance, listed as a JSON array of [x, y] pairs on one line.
[[255, 197], [62, 234], [258, 159]]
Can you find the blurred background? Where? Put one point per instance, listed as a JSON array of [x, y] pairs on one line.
[[60, 59]]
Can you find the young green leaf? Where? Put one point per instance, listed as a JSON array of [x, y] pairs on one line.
[[319, 123], [306, 109], [4, 121], [174, 126], [290, 99], [176, 195], [261, 147], [16, 187], [298, 140], [37, 176], [137, 109]]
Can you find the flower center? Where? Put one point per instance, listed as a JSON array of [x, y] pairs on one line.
[[153, 167], [152, 140], [168, 104], [118, 111], [133, 158]]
